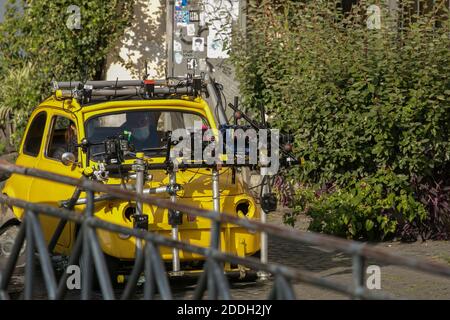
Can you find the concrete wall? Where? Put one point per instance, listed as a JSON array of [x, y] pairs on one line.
[[147, 40], [144, 41]]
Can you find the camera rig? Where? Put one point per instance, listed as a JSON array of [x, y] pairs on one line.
[[118, 150]]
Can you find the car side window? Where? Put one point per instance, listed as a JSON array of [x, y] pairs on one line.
[[63, 138], [33, 140]]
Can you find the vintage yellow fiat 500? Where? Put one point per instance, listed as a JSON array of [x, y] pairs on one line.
[[72, 135]]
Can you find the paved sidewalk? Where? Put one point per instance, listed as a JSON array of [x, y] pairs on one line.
[[398, 281]]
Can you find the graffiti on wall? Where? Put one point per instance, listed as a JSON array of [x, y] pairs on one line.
[[202, 33]]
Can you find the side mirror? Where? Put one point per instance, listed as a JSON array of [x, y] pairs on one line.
[[68, 158]]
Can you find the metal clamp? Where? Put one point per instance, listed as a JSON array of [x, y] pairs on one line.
[[140, 221]]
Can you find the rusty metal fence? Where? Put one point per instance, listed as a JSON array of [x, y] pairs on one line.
[[212, 282]]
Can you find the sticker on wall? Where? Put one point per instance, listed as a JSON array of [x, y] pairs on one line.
[[198, 44], [202, 66], [219, 10], [216, 46], [202, 20], [182, 17], [179, 4], [192, 64], [194, 16], [187, 54], [190, 29], [178, 57], [177, 46]]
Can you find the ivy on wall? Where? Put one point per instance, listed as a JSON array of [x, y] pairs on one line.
[[61, 40]]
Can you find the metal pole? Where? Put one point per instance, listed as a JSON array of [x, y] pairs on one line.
[[149, 285], [100, 265], [62, 223], [44, 257], [262, 275], [140, 172], [134, 276], [86, 258], [211, 285], [29, 266], [285, 288], [216, 101], [201, 284], [169, 32], [7, 272], [358, 275], [222, 285], [215, 234], [175, 252], [74, 259], [154, 256]]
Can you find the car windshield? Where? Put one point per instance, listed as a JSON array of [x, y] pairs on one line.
[[146, 129]]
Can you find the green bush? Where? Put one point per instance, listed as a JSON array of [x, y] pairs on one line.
[[358, 100], [37, 46], [19, 94], [369, 209]]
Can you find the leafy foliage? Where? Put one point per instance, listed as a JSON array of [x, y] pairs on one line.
[[37, 45], [19, 94], [368, 209], [360, 101]]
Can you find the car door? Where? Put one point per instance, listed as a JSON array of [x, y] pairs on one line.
[[60, 138], [18, 186]]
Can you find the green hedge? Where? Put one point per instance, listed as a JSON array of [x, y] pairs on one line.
[[360, 101], [37, 46]]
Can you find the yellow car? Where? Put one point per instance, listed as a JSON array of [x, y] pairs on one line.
[[68, 134]]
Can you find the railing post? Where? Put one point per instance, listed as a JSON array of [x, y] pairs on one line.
[[284, 288], [206, 280], [358, 275], [86, 257], [139, 261], [173, 198], [215, 232], [201, 283], [44, 256], [149, 285], [140, 179], [29, 262], [74, 259], [12, 260], [62, 223], [263, 275], [215, 237], [139, 168], [211, 284], [221, 282], [95, 252], [159, 273]]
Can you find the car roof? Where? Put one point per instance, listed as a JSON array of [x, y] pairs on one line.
[[107, 105]]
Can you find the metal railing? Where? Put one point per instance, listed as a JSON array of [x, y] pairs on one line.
[[148, 259]]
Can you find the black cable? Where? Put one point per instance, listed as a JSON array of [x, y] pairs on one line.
[[262, 187], [205, 174]]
